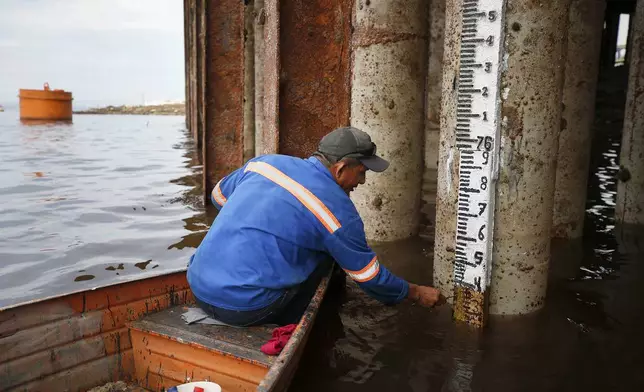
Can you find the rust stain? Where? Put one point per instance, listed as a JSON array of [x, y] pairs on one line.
[[314, 95], [470, 306], [370, 35], [224, 90]]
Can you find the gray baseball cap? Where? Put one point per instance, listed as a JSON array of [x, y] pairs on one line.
[[350, 142]]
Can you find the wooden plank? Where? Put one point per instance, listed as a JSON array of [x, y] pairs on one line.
[[52, 338], [251, 338], [145, 343], [40, 312], [177, 370], [45, 363], [157, 383], [84, 377], [80, 326]]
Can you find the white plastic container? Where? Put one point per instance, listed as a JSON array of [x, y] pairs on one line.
[[207, 386]]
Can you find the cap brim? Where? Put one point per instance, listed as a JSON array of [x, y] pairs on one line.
[[375, 163]]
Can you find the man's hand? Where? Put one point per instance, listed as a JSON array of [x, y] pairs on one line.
[[425, 295]]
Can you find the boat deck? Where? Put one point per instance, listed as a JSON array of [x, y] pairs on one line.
[[168, 351], [244, 343]]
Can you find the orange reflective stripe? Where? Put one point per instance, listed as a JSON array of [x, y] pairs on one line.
[[218, 196], [308, 199], [367, 273]]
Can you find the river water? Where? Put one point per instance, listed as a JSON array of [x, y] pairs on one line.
[[104, 199]]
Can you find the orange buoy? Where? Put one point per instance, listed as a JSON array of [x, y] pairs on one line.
[[46, 104]]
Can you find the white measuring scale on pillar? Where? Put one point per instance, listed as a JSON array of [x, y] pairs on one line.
[[477, 139]]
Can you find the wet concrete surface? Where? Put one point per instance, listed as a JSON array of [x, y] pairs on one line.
[[94, 202], [587, 338]]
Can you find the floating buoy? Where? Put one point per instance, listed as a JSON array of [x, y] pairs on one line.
[[45, 104]]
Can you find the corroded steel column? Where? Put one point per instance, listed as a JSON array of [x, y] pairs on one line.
[[630, 189], [258, 30], [249, 80], [314, 72], [192, 76], [186, 58], [223, 89], [531, 93], [387, 101], [586, 21], [201, 72], [432, 116], [268, 139]]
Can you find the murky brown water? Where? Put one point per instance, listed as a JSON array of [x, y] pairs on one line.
[[587, 338], [94, 202]]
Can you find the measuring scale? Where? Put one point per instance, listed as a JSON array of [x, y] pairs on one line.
[[477, 139]]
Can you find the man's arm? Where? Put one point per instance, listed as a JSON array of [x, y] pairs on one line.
[[348, 246]]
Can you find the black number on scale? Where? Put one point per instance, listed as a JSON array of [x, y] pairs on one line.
[[488, 67], [485, 142], [483, 183], [490, 40], [491, 16], [481, 235], [478, 257], [486, 156], [484, 116], [482, 207], [484, 92]]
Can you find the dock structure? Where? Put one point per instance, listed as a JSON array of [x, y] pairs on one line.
[[439, 86]]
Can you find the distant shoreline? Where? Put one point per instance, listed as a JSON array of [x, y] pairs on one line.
[[169, 109]]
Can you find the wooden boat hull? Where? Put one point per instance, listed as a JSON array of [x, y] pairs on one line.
[[77, 341], [81, 340]]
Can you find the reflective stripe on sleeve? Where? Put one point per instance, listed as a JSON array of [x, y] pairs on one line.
[[367, 273], [308, 199], [217, 195]]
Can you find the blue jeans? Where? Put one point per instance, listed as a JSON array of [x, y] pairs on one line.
[[287, 309]]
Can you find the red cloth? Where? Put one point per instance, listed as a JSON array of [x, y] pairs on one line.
[[280, 337]]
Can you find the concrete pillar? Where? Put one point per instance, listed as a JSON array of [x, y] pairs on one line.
[[387, 99], [249, 80], [630, 190], [223, 89], [586, 21], [531, 85], [432, 116], [315, 58]]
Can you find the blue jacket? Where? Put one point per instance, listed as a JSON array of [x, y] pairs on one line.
[[279, 217]]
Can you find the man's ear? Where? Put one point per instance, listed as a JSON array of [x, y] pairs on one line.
[[340, 168]]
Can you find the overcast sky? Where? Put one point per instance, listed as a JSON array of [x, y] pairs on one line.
[[103, 51]]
